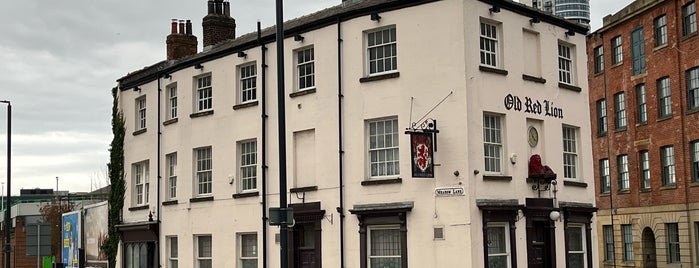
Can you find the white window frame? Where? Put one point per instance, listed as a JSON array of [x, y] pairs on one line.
[[199, 258], [570, 152], [172, 252], [493, 143], [203, 167], [172, 101], [617, 50], [673, 242], [141, 115], [141, 183], [508, 247], [489, 44], [620, 110], [243, 255], [667, 157], [641, 102], [171, 176], [373, 228], [305, 68], [566, 59], [664, 97], [203, 93], [583, 240], [605, 179], [247, 165], [374, 149], [247, 82], [373, 59], [623, 172], [644, 158], [627, 241]]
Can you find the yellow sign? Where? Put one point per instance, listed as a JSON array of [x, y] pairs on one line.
[[66, 243]]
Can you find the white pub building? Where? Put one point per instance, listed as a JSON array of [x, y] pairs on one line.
[[410, 125]]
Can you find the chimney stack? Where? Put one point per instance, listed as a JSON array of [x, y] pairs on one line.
[[180, 42], [218, 25]]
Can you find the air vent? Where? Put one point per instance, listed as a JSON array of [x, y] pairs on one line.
[[438, 233]]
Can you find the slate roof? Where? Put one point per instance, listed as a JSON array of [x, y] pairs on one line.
[[345, 11]]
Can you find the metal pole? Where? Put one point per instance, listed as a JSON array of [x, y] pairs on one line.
[[7, 248], [284, 232], [38, 245]]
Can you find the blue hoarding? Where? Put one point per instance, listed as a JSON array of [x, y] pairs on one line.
[[71, 238]]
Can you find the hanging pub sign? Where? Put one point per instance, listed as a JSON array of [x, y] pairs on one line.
[[421, 149]]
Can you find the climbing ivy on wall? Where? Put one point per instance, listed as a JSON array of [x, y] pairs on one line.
[[116, 178]]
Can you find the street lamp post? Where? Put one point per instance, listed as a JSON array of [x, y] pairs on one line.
[[7, 248]]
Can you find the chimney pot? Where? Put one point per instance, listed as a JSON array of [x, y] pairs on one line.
[[227, 9], [188, 27], [182, 27], [211, 6], [173, 26]]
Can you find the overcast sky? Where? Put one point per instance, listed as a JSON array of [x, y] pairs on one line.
[[60, 59]]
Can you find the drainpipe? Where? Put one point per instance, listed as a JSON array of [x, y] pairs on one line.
[[340, 151], [158, 205], [264, 144]]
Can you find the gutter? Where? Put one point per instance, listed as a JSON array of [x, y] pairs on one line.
[[263, 138], [340, 149]]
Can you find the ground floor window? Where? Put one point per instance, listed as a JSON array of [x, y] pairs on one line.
[[384, 246], [575, 237], [673, 243], [383, 238], [139, 255], [203, 251], [498, 244]]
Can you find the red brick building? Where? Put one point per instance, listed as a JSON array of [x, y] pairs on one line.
[[644, 95]]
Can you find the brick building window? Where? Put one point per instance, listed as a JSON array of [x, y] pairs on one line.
[[605, 182], [693, 88], [689, 19], [673, 242], [641, 109], [620, 110], [645, 169], [617, 55], [667, 156], [660, 27], [601, 116], [570, 153], [694, 150], [627, 240], [608, 231], [638, 54], [623, 169], [664, 100], [599, 59]]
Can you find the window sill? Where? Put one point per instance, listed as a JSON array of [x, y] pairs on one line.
[[171, 121], [624, 191], [616, 65], [638, 75], [603, 134], [244, 195], [668, 187], [621, 129], [663, 118], [497, 178], [642, 124], [140, 131], [575, 183], [379, 77], [304, 189], [569, 87], [245, 105], [694, 184], [689, 36], [302, 92], [598, 73], [202, 113], [489, 69], [139, 208], [534, 79], [692, 111], [201, 199], [604, 194], [659, 47], [370, 182], [170, 203], [645, 190]]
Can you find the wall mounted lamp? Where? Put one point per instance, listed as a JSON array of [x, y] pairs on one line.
[[570, 33], [167, 76], [198, 66], [494, 9], [242, 54], [534, 20], [298, 38], [137, 89], [375, 17]]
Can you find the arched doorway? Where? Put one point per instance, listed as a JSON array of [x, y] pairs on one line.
[[648, 240]]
